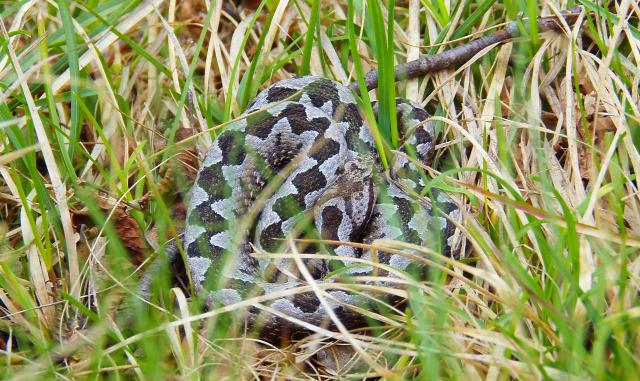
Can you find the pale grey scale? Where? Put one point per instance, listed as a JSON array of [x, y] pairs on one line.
[[306, 307], [306, 163], [385, 224], [203, 204], [244, 181], [344, 163], [419, 214], [263, 98], [281, 134], [345, 208], [418, 133], [325, 171]]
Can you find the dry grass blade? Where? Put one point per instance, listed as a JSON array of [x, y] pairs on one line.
[[537, 140], [38, 271]]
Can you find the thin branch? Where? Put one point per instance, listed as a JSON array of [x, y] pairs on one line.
[[463, 53]]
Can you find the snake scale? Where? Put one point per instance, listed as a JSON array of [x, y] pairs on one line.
[[307, 135]]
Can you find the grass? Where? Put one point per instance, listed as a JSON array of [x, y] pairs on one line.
[[537, 138]]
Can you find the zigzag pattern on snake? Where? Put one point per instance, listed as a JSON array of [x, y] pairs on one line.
[[306, 134]]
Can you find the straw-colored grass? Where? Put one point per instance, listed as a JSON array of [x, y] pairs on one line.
[[537, 141]]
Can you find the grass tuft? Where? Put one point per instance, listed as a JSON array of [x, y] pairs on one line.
[[106, 106]]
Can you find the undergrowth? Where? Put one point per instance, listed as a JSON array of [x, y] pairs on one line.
[[107, 106]]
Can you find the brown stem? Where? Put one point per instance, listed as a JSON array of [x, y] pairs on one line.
[[463, 53]]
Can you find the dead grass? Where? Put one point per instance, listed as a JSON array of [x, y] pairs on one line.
[[536, 139]]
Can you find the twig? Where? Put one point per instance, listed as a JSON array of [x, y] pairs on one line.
[[461, 54]]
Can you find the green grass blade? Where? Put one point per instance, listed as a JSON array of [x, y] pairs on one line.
[[309, 43], [72, 55]]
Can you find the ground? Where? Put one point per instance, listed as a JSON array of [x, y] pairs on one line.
[[107, 108]]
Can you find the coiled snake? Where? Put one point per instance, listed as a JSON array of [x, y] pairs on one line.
[[307, 135]]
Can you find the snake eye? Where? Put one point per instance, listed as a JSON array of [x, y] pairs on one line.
[[349, 166]]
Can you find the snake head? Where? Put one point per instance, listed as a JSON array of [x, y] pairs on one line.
[[344, 209]]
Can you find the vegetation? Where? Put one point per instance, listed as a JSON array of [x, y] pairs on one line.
[[537, 139]]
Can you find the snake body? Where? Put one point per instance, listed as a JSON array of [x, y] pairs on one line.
[[305, 137]]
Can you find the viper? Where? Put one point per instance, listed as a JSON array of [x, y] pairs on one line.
[[301, 162]]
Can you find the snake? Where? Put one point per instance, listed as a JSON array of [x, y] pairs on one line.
[[301, 162]]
